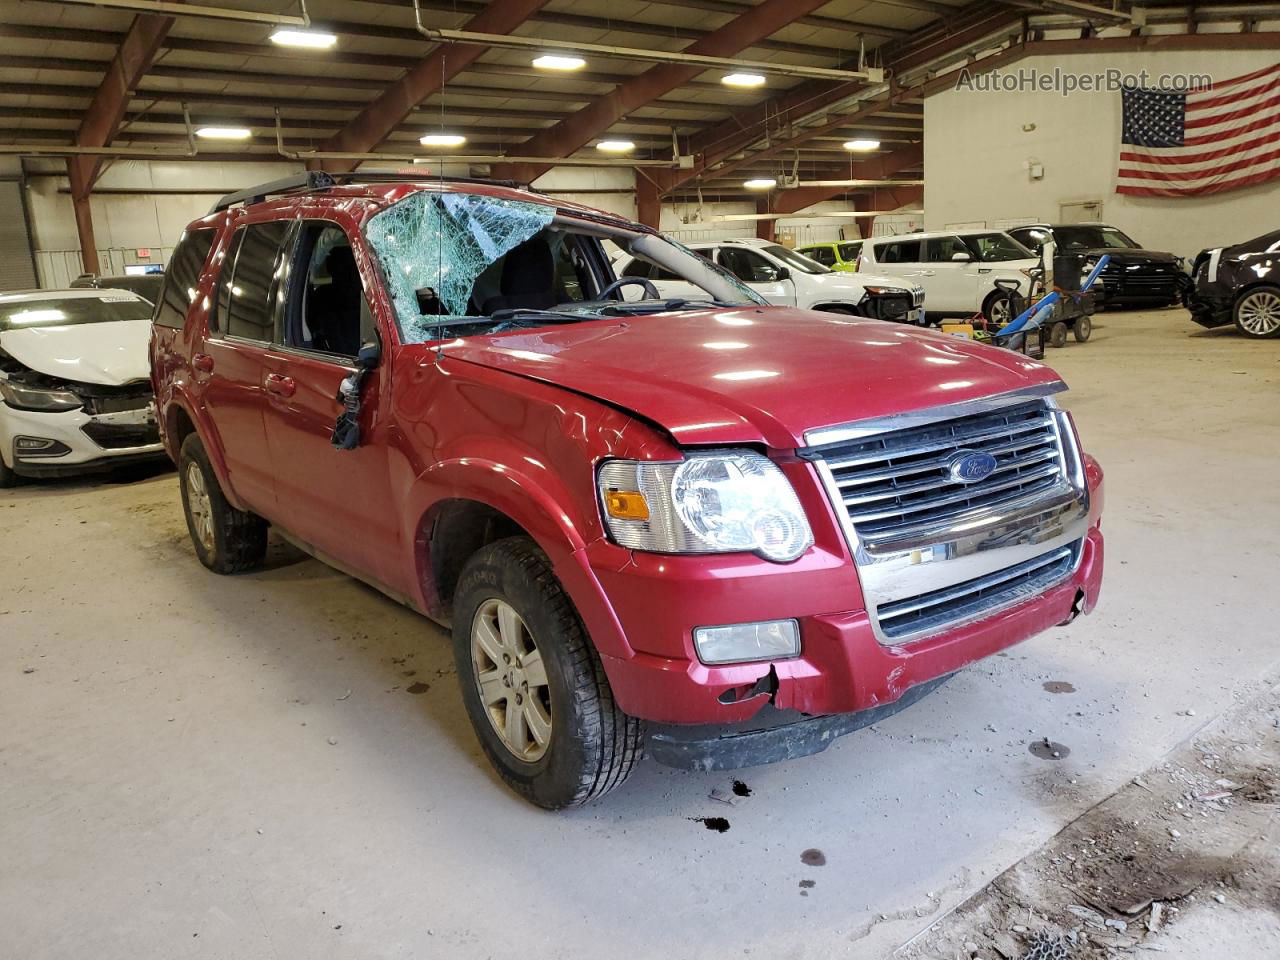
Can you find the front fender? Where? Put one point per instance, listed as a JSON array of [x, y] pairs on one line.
[[540, 503]]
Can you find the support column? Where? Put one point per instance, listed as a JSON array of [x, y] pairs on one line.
[[764, 228], [84, 217], [648, 201]]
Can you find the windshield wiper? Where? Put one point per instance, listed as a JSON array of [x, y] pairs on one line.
[[637, 307], [515, 315]]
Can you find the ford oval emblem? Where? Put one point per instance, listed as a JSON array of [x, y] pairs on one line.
[[970, 466]]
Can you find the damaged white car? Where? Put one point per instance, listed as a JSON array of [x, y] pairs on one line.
[[75, 387]]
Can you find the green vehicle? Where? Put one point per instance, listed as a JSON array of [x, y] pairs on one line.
[[842, 256]]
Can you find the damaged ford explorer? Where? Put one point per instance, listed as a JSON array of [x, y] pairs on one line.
[[713, 530]]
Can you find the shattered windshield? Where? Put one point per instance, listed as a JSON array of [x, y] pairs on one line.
[[459, 264]]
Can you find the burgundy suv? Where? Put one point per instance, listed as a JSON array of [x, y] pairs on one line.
[[713, 529]]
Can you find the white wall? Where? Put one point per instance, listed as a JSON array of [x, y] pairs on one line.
[[976, 153], [126, 223]]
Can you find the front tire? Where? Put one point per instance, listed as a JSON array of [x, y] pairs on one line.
[[7, 477], [226, 540], [1082, 328], [1257, 313], [532, 683], [998, 308]]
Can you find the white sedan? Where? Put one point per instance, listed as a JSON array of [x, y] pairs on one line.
[[75, 387]]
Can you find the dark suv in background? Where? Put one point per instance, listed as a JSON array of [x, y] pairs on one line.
[[1240, 283], [1133, 277]]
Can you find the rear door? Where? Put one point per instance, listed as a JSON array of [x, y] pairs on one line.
[[232, 362], [337, 501]]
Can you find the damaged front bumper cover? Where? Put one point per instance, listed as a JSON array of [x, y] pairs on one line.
[[768, 737]]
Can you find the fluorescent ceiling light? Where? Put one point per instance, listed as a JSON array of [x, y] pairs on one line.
[[443, 140], [862, 146], [743, 80], [615, 146], [760, 183], [311, 39], [224, 133], [551, 61]]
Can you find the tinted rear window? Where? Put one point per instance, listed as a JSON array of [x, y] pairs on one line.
[[26, 314], [249, 313], [182, 277], [902, 251]]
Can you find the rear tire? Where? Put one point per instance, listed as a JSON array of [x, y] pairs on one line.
[[542, 707], [1257, 313], [1082, 328], [226, 540]]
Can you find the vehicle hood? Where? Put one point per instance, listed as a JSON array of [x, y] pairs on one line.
[[755, 374], [849, 286], [1130, 256], [110, 354]]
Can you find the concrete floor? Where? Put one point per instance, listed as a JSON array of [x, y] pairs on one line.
[[278, 764]]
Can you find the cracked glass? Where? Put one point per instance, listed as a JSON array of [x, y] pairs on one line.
[[433, 246]]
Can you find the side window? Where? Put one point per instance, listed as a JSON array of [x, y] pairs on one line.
[[943, 249], [249, 312], [326, 308], [747, 265], [824, 255], [226, 282], [850, 251], [183, 277], [638, 268], [903, 251]]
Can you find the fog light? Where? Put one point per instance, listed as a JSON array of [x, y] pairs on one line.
[[39, 447], [743, 642]]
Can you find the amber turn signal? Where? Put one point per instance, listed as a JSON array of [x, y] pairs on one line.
[[626, 505]]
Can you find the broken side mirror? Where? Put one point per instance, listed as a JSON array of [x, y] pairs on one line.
[[346, 430]]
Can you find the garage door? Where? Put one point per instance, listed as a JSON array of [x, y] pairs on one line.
[[17, 268]]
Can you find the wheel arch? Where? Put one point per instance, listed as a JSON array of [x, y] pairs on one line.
[[462, 505]]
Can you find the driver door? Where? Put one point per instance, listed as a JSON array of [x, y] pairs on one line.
[[954, 282], [337, 501], [759, 273]]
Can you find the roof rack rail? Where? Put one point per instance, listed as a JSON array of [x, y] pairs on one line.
[[320, 180]]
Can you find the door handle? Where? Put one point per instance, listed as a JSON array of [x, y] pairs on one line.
[[927, 273], [280, 385], [202, 362], [984, 269]]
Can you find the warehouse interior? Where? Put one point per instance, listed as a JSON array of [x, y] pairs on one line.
[[793, 240]]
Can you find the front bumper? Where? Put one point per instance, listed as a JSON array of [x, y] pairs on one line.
[[846, 665], [86, 443], [1210, 309]]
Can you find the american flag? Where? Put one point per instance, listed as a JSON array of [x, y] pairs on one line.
[[1190, 144]]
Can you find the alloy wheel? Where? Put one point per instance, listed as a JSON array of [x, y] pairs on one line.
[[199, 505], [1000, 312], [1259, 313], [511, 679]]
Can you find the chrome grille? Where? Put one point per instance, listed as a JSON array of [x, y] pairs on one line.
[[981, 595], [894, 483]]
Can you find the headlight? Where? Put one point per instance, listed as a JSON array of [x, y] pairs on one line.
[[880, 291], [729, 502], [35, 398]]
